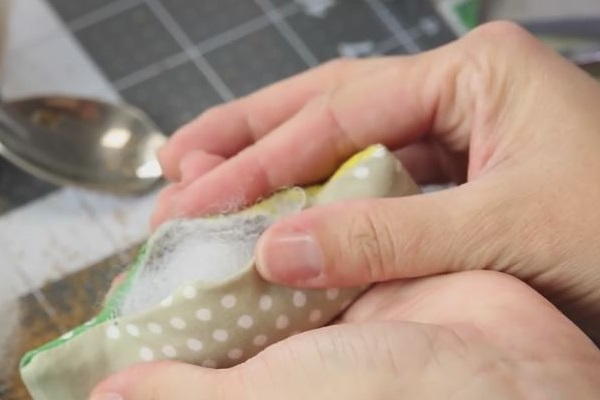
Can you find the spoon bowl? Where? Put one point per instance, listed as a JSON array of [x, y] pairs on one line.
[[83, 142]]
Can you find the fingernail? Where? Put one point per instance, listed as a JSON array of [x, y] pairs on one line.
[[289, 257], [106, 396]]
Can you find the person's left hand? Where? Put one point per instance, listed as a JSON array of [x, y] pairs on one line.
[[468, 335]]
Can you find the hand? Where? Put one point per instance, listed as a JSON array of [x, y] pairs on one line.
[[496, 108], [468, 335]]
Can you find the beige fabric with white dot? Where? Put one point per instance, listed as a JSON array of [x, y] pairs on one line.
[[217, 325]]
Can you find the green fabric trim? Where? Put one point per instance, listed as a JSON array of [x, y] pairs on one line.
[[106, 313]]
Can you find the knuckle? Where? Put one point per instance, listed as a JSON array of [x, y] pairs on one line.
[[216, 112], [501, 38], [371, 243], [337, 72], [483, 71], [238, 110], [500, 30], [326, 106], [329, 110]]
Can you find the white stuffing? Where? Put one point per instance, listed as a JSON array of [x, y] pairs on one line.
[[207, 250], [197, 250]]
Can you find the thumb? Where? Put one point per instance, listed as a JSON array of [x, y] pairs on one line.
[[367, 241], [160, 381], [349, 361]]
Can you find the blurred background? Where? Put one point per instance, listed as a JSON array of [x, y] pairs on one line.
[[61, 245]]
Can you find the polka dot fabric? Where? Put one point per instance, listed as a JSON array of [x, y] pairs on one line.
[[215, 326], [223, 324]]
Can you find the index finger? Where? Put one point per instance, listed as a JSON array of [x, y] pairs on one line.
[[391, 105], [229, 128]]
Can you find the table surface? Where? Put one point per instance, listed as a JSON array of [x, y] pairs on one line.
[[60, 247]]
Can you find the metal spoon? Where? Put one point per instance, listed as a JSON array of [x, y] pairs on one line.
[[83, 142]]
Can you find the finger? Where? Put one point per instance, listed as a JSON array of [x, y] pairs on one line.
[[361, 242], [164, 204], [425, 161], [161, 381], [227, 129], [308, 147], [196, 163], [193, 165]]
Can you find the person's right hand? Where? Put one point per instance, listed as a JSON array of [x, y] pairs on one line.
[[496, 108]]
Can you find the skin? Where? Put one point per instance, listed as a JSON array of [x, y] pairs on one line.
[[513, 124]]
